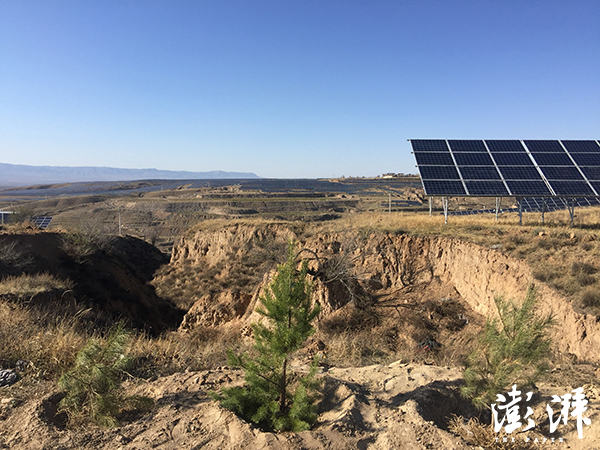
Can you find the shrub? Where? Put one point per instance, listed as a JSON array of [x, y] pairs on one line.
[[590, 298], [92, 386], [512, 350], [267, 398]]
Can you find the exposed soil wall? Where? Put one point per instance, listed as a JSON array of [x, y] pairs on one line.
[[385, 263]]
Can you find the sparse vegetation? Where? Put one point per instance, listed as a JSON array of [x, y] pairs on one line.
[[268, 399], [92, 386], [88, 237], [26, 286], [482, 435], [514, 349]]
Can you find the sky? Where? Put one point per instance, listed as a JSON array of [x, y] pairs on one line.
[[289, 88]]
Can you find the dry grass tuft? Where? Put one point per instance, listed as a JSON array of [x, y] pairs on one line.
[[483, 436], [29, 285], [48, 342]]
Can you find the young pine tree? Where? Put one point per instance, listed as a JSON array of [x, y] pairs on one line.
[[512, 350], [273, 397], [92, 386]]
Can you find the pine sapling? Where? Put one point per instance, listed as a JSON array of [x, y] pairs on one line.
[[274, 397], [513, 349]]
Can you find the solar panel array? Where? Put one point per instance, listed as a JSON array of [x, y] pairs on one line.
[[534, 204], [42, 222], [499, 168]]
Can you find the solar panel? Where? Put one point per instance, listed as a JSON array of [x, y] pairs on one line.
[[480, 173], [505, 146], [591, 173], [433, 187], [508, 168], [570, 188], [544, 146], [473, 159], [521, 188], [487, 188], [586, 159], [561, 173], [512, 159], [596, 185], [520, 173], [435, 159], [42, 222], [439, 172], [431, 145], [581, 146], [467, 146], [552, 159]]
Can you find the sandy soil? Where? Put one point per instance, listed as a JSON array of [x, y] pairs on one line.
[[375, 407]]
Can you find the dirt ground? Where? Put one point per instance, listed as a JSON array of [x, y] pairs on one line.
[[376, 407]]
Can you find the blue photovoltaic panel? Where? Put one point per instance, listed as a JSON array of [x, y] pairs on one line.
[[429, 145], [592, 173], [529, 188], [479, 173], [561, 173], [544, 146], [493, 188], [520, 173], [596, 185], [505, 146], [586, 159], [581, 146], [552, 159], [439, 172], [473, 159], [434, 187], [569, 188], [434, 159], [467, 146], [512, 159], [42, 222]]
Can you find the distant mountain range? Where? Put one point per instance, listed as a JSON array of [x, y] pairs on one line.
[[22, 175]]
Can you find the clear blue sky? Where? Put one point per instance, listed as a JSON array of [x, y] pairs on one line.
[[289, 88]]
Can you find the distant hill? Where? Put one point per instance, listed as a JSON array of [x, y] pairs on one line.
[[23, 175]]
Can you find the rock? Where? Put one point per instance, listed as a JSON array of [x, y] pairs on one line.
[[8, 377]]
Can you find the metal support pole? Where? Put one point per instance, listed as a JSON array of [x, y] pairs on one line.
[[430, 206], [390, 204], [498, 200], [571, 208], [544, 205], [520, 210], [445, 205]]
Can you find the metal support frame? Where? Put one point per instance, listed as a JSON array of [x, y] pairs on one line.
[[520, 200], [544, 206], [445, 206], [430, 206], [498, 201], [571, 208], [390, 204]]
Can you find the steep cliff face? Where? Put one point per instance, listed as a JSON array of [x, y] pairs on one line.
[[385, 264]]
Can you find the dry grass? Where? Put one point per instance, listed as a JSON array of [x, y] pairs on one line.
[[200, 349], [483, 436], [23, 286], [48, 342]]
